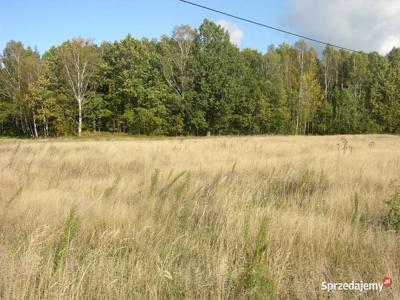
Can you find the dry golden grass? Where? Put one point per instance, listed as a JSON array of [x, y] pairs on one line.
[[210, 218]]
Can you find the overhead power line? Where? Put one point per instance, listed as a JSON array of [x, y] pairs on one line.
[[267, 26]]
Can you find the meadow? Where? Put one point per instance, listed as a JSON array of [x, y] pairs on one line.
[[266, 217]]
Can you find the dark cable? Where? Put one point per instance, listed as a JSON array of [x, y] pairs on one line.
[[267, 26]]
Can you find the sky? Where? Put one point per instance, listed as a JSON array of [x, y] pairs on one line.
[[369, 25]]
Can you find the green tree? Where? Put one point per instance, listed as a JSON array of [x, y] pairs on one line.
[[134, 87], [215, 73]]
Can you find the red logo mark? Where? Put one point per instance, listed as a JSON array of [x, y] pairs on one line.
[[387, 281]]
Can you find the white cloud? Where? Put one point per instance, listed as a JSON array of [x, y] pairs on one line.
[[369, 25], [235, 33]]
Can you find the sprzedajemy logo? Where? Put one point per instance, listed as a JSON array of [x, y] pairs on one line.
[[359, 286]]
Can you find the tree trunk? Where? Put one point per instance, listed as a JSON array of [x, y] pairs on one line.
[[300, 99], [28, 125], [34, 125], [80, 117], [46, 126], [326, 78], [22, 120]]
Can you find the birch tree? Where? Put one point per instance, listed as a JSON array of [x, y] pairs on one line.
[[175, 64], [310, 93], [19, 68], [80, 59]]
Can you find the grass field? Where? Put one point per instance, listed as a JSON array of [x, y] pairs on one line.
[[207, 218]]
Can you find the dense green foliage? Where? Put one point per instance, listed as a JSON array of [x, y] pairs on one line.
[[195, 82]]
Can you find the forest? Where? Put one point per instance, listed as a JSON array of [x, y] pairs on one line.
[[196, 82]]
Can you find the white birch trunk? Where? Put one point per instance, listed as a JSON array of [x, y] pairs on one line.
[[79, 117], [34, 125]]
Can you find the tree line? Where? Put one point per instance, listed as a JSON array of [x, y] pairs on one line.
[[195, 82]]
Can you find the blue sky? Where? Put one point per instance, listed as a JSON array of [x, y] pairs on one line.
[[43, 23], [368, 25]]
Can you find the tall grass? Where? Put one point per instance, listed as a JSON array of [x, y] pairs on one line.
[[212, 218]]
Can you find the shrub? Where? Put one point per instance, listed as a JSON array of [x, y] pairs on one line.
[[393, 217], [62, 246], [255, 279]]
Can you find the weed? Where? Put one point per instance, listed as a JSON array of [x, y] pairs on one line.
[[164, 191], [355, 212], [111, 189], [62, 246], [14, 154], [393, 217], [344, 146], [8, 204], [154, 181], [255, 278]]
